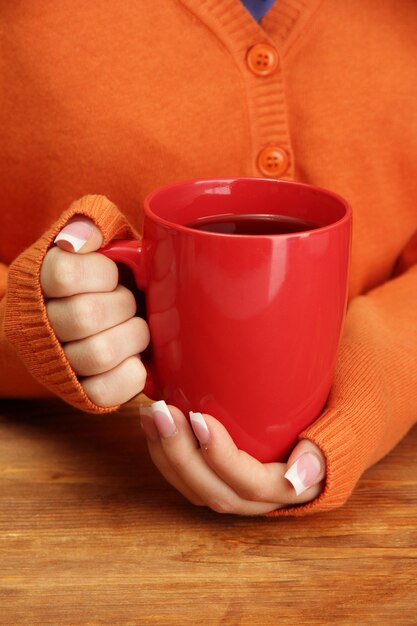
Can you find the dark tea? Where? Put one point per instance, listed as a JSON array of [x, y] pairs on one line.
[[252, 224]]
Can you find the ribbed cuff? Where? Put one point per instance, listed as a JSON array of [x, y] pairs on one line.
[[27, 326]]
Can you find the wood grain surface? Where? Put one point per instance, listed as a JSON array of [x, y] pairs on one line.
[[90, 534]]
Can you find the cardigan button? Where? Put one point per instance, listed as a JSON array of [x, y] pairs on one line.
[[272, 161], [262, 59]]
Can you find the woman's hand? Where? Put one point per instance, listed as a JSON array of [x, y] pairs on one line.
[[204, 464], [92, 316]]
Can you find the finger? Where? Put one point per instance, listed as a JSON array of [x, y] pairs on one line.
[[306, 470], [79, 235], [251, 479], [106, 350], [164, 464], [159, 458], [118, 385], [83, 315], [178, 456], [64, 274]]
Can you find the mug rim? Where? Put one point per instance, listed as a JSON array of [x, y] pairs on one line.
[[346, 217]]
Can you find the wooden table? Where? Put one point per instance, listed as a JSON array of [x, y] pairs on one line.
[[91, 534]]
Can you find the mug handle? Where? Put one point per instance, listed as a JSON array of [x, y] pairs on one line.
[[130, 253]]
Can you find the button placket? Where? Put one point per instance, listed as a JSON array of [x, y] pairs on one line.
[[258, 54], [263, 62]]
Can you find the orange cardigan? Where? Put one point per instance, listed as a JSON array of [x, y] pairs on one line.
[[118, 98]]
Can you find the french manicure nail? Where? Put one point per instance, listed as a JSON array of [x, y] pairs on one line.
[[200, 428], [163, 419], [75, 234], [304, 472]]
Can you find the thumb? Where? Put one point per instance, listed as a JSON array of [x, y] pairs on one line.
[[306, 466], [79, 235]]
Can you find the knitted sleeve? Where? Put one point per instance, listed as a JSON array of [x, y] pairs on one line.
[[31, 357], [373, 401]]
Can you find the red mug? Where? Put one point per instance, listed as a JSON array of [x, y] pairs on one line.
[[245, 327]]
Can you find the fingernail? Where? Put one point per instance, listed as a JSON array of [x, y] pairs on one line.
[[163, 419], [304, 472], [75, 234], [200, 428], [147, 423]]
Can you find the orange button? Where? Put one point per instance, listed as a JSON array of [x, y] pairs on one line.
[[272, 161], [262, 59]]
